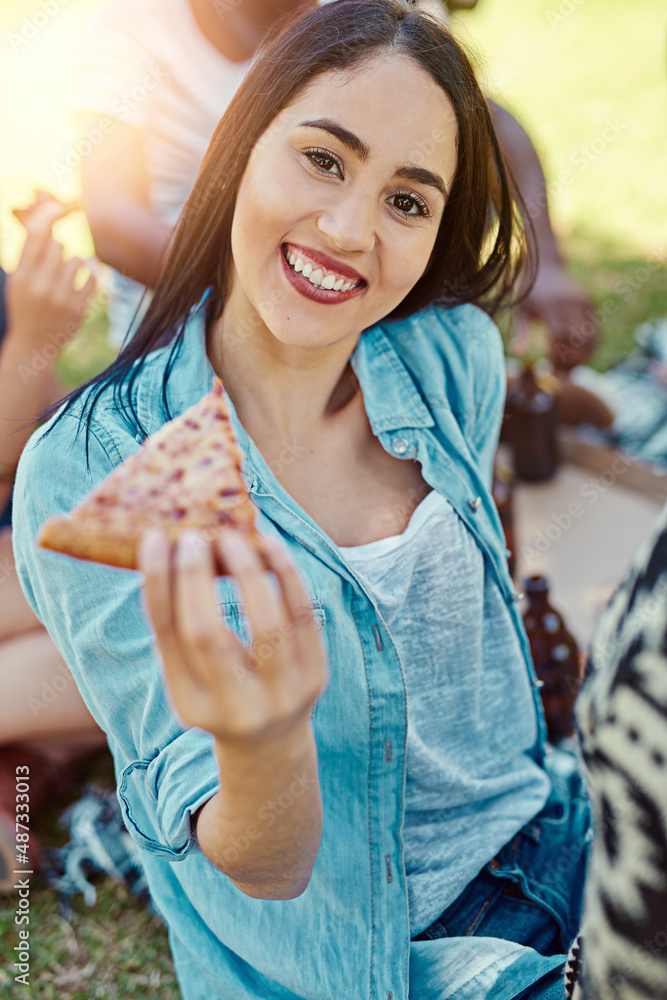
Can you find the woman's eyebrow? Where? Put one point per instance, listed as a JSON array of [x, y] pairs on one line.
[[348, 138], [418, 175]]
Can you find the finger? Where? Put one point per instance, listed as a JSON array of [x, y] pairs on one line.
[[310, 655], [35, 246], [40, 217], [295, 596], [189, 699], [95, 268], [87, 291], [266, 612], [68, 280], [51, 265], [154, 562], [221, 567], [211, 651]]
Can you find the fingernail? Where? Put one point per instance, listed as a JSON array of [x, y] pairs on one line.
[[232, 545], [190, 546], [151, 548]]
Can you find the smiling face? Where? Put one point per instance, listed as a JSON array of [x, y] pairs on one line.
[[339, 206]]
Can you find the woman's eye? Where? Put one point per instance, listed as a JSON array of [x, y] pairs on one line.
[[409, 204], [325, 161]]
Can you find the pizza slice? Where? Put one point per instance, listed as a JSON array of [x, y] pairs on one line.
[[186, 475]]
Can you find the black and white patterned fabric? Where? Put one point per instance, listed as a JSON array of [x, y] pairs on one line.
[[622, 722]]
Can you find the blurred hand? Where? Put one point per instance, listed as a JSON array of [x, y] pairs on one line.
[[42, 198], [243, 697], [560, 302], [44, 305]]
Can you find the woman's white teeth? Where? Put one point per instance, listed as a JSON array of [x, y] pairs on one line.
[[317, 277]]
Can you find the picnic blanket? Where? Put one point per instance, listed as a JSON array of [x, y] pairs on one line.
[[636, 391], [99, 843]]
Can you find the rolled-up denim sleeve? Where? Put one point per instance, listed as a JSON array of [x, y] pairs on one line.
[[159, 797], [95, 616]]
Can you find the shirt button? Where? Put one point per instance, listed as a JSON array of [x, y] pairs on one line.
[[474, 504], [399, 446], [139, 438], [519, 596]]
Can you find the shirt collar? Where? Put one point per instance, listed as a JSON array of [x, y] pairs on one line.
[[391, 397]]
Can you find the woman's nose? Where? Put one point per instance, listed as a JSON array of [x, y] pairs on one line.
[[350, 223]]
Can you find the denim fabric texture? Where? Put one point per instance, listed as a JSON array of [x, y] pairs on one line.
[[433, 387]]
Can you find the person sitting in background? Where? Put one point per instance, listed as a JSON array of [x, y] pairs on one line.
[[555, 298], [155, 77], [44, 723]]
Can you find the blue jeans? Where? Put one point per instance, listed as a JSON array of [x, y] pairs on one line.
[[496, 907], [532, 891]]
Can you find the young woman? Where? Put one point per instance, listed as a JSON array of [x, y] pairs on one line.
[[340, 781]]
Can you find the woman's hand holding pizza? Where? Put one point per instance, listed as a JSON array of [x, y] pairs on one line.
[[244, 697]]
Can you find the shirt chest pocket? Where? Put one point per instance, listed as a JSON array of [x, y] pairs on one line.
[[235, 617]]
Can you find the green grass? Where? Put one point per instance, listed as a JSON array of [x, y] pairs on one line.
[[565, 77], [115, 948]]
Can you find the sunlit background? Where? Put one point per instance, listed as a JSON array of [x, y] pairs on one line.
[[568, 69]]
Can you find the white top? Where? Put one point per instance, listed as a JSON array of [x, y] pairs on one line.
[[147, 63], [470, 782], [421, 513]]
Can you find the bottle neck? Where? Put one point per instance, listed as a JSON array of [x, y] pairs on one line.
[[538, 598]]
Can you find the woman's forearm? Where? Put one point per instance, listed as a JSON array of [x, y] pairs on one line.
[[263, 827]]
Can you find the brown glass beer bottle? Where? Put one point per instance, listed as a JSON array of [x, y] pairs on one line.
[[556, 658], [530, 427]]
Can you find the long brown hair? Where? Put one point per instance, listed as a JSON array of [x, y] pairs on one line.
[[480, 238]]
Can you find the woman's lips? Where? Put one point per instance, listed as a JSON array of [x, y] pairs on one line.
[[322, 261], [325, 296]]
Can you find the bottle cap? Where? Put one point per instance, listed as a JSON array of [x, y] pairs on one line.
[[536, 584]]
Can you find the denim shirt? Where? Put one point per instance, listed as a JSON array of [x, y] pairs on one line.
[[433, 386]]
